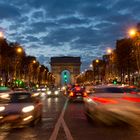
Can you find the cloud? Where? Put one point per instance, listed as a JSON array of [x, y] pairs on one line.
[[8, 11], [83, 28]]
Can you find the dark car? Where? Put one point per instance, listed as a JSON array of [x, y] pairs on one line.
[[19, 109], [77, 94]]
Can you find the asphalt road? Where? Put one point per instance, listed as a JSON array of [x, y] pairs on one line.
[[66, 121]]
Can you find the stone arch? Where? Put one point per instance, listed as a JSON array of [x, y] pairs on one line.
[[59, 64]]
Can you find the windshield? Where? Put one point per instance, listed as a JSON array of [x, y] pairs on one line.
[[16, 98]]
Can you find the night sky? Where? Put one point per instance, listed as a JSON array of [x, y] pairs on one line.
[[85, 28]]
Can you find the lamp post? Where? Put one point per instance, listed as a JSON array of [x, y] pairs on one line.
[[109, 52], [1, 37], [135, 35], [97, 64], [19, 50]]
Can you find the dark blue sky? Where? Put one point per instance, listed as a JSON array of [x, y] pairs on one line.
[[83, 28]]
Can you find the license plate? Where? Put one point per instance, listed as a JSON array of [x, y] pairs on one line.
[[78, 94]]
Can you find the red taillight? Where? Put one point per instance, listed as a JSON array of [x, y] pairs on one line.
[[105, 100], [132, 99], [85, 94], [133, 92], [78, 88], [71, 94]]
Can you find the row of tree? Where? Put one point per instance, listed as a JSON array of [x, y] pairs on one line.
[[16, 65]]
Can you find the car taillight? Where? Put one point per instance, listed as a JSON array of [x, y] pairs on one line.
[[133, 92], [132, 99], [85, 94], [105, 100], [77, 88], [71, 94]]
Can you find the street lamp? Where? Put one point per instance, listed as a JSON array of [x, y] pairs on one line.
[[135, 35], [132, 32], [110, 65], [1, 35], [109, 51], [19, 50], [90, 66], [34, 61], [97, 61]]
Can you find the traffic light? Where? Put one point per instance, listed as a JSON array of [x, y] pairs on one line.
[[65, 76], [115, 81]]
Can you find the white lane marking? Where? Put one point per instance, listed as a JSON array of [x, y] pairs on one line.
[[67, 131], [59, 123]]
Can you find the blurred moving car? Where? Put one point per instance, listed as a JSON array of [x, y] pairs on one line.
[[4, 89], [77, 93], [19, 89], [111, 105], [53, 92], [20, 108], [131, 89]]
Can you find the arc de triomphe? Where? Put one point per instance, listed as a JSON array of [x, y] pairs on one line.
[[60, 64]]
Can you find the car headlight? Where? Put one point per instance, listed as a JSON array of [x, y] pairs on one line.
[[2, 108], [4, 96], [28, 109], [49, 92], [56, 92]]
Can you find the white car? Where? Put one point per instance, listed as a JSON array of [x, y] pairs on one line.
[[54, 92], [20, 108], [111, 105]]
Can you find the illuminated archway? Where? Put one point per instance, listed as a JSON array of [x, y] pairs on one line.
[[67, 65]]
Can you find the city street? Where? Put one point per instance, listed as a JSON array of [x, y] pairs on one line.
[[70, 123]]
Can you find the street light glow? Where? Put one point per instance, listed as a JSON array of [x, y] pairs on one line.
[[109, 51], [34, 61], [90, 66], [132, 32], [1, 35], [19, 50], [97, 61]]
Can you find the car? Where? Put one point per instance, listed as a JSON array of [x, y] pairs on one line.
[[4, 89], [53, 92], [111, 105], [19, 89], [20, 108], [131, 89], [77, 93]]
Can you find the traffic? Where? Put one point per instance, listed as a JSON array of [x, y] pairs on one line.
[[109, 104]]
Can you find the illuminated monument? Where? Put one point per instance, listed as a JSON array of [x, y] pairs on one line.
[[65, 69]]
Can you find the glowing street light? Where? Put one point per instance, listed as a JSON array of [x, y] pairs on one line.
[[135, 34], [132, 32], [90, 66], [19, 50], [1, 35], [34, 61], [109, 51], [97, 61]]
